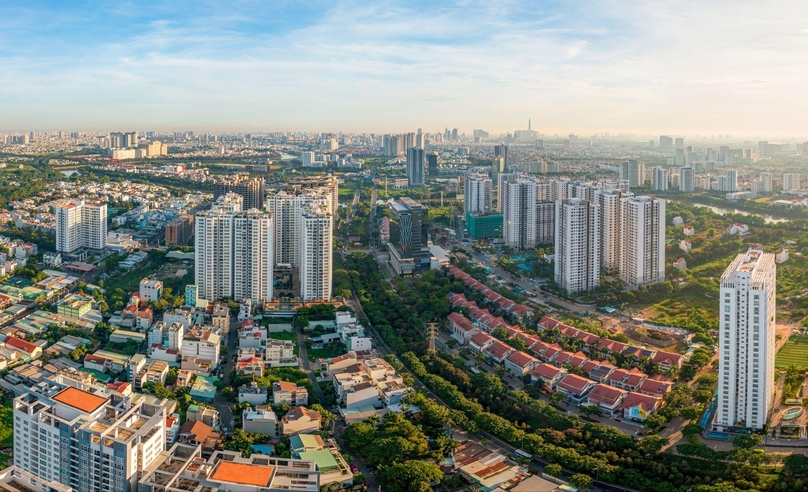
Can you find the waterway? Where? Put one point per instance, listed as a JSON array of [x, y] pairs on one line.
[[724, 211], [288, 157]]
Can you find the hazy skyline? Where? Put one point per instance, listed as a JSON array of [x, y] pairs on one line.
[[738, 68]]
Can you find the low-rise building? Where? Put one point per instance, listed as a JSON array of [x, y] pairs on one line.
[[204, 414], [519, 363], [289, 393], [253, 394], [639, 407], [151, 289], [300, 420], [260, 420], [575, 388], [280, 353], [607, 398]]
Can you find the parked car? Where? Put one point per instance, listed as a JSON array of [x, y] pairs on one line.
[[354, 468]]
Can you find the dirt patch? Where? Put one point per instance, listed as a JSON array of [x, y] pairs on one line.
[[785, 331], [653, 338]]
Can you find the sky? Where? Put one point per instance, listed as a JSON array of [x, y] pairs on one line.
[[650, 67]]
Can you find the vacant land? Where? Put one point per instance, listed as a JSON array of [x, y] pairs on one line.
[[794, 352]]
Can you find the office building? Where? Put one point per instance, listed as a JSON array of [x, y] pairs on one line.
[[251, 189], [642, 242], [577, 245], [766, 182], [86, 438], [432, 163], [791, 181], [407, 255], [477, 194], [415, 167], [502, 151], [519, 213], [659, 182], [746, 345], [80, 224], [234, 251], [686, 182], [610, 232]]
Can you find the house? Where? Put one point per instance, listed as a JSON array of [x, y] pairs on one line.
[[575, 388], [681, 264], [639, 407], [280, 353], [548, 374], [627, 379], [688, 230], [667, 360], [677, 221], [599, 371], [120, 387], [741, 229], [250, 335], [195, 433], [656, 387], [260, 420], [364, 394], [519, 363], [685, 245], [253, 394], [250, 365], [28, 349], [462, 329], [300, 420], [204, 414], [781, 256], [172, 428], [497, 352], [607, 398], [156, 372], [289, 393], [481, 341], [305, 442]]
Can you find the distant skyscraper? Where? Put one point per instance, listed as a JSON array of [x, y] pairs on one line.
[[766, 182], [502, 151], [686, 183], [732, 180], [415, 167], [746, 373], [406, 255], [630, 170], [519, 213], [791, 181], [432, 163], [665, 142], [477, 194], [251, 189], [316, 253], [577, 245], [680, 143], [610, 232], [642, 241], [80, 224], [660, 179]]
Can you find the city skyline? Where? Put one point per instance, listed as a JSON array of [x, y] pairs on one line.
[[593, 67]]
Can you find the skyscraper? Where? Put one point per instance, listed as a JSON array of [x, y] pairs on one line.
[[577, 245], [477, 194], [665, 142], [766, 182], [251, 189], [503, 178], [406, 254], [519, 213], [791, 181], [746, 384], [732, 180], [287, 206], [610, 232], [642, 241], [502, 151], [316, 252], [80, 224], [630, 170], [415, 167], [660, 179], [432, 163], [253, 248], [686, 183]]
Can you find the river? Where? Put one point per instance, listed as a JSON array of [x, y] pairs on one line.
[[724, 211]]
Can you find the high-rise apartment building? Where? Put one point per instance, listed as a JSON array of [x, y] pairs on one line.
[[253, 249], [477, 194], [502, 179], [665, 142], [213, 234], [766, 182], [432, 163], [251, 189], [746, 345], [80, 224], [642, 241], [415, 167], [731, 181], [287, 206], [84, 437], [610, 232], [577, 245], [316, 252], [519, 208], [632, 171], [660, 179], [686, 183], [327, 184], [791, 181]]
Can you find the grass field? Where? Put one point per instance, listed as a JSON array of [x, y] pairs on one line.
[[795, 352]]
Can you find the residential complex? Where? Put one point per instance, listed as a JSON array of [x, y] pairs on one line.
[[80, 224], [642, 240], [477, 194], [577, 245]]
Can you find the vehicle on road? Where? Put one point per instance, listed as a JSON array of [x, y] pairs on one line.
[[354, 468]]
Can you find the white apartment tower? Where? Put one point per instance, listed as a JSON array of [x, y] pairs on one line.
[[213, 273], [519, 213], [632, 171], [610, 232], [791, 181], [83, 437], [253, 248], [642, 245], [80, 224], [766, 182], [316, 253], [287, 206], [577, 245], [477, 194], [686, 183], [502, 179], [746, 384], [732, 180], [660, 179]]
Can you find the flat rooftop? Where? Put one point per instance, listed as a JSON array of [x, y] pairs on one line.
[[244, 474], [80, 400]]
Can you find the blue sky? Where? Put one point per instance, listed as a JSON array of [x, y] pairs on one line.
[[688, 67]]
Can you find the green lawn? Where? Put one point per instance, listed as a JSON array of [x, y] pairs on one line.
[[795, 352]]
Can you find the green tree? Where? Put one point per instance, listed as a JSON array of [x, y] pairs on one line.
[[409, 476], [652, 444], [747, 441], [241, 442], [654, 421], [581, 481], [589, 411], [103, 306], [554, 470]]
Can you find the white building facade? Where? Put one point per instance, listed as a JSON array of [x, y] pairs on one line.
[[642, 245], [577, 245]]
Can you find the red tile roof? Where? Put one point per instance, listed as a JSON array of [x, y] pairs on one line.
[[574, 383], [521, 359], [547, 371], [20, 344], [605, 394], [646, 402], [499, 350]]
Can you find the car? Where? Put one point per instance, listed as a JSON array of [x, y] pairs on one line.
[[354, 468], [510, 387]]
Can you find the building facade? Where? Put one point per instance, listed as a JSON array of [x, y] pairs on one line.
[[642, 245], [577, 245], [80, 224], [316, 253]]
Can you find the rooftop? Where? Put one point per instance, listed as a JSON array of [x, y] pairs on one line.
[[80, 400], [244, 474]]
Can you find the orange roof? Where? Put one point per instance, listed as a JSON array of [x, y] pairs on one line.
[[80, 400], [21, 344], [243, 474]]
